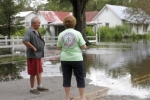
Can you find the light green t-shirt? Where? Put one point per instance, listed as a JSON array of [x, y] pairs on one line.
[[70, 41]]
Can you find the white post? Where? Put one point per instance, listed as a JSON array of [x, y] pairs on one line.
[[44, 38], [5, 40], [98, 23], [12, 45], [96, 39], [99, 32], [17, 39]]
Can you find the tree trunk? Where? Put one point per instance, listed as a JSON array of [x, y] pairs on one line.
[[79, 14]]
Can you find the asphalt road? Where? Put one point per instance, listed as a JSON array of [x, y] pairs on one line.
[[19, 90]]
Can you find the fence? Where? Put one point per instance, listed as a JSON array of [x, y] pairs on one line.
[[16, 42]]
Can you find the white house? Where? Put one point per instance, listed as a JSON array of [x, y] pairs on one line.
[[112, 15], [25, 17]]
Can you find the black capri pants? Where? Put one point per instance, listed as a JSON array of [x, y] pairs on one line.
[[77, 67]]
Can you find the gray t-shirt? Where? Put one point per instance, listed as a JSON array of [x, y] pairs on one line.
[[36, 41]]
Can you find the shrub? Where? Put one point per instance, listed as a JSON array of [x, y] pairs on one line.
[[117, 35], [89, 31], [148, 35], [42, 31], [108, 35], [20, 32], [102, 32], [133, 36]]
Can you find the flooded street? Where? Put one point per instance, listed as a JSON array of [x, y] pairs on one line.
[[124, 68]]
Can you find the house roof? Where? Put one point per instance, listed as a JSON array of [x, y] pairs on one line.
[[120, 11], [61, 15], [23, 14], [49, 16], [57, 16], [90, 15]]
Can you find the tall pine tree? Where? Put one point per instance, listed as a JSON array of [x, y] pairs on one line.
[[8, 8]]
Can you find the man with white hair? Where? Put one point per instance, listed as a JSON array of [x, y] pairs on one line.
[[35, 51]]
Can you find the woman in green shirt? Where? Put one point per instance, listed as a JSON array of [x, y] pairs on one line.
[[71, 43]]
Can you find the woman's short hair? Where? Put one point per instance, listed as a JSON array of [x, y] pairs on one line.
[[69, 21]]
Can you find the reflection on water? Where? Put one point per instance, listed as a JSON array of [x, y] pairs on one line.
[[123, 68], [51, 68], [11, 71]]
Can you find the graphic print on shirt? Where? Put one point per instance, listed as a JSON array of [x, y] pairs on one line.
[[68, 40]]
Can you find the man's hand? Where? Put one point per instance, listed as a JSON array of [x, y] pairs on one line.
[[28, 44], [34, 49]]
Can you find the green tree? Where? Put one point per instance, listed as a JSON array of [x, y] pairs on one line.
[[139, 10], [99, 4], [142, 4], [79, 13], [8, 8], [56, 5], [92, 5]]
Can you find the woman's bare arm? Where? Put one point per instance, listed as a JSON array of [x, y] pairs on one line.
[[58, 48], [83, 47]]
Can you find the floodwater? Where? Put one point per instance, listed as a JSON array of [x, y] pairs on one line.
[[122, 67]]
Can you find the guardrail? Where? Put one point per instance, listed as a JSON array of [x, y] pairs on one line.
[[49, 41]]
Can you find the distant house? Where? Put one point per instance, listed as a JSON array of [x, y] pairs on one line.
[[25, 17], [112, 15], [54, 20]]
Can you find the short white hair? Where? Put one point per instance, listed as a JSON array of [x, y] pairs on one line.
[[34, 19]]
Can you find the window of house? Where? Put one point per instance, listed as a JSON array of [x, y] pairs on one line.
[[42, 26], [27, 24], [145, 27], [107, 24]]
